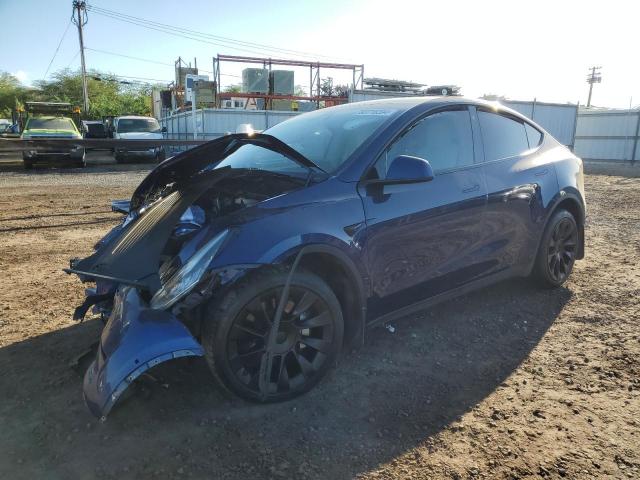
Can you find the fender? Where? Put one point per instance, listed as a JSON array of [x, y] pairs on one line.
[[574, 195], [569, 193], [355, 276]]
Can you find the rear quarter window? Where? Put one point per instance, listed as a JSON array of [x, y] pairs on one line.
[[503, 136], [533, 135]]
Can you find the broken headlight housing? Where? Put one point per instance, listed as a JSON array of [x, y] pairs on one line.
[[188, 276]]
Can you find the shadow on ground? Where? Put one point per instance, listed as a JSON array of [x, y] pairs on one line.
[[388, 397]]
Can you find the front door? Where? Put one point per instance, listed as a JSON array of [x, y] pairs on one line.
[[426, 238]]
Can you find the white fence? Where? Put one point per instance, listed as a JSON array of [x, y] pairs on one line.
[[213, 123], [608, 135]]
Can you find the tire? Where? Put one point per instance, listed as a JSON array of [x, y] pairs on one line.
[[28, 164], [557, 252], [236, 327], [119, 158], [79, 162]]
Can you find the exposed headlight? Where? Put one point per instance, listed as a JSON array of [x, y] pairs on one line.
[[188, 275]]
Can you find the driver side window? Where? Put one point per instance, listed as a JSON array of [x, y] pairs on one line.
[[444, 139]]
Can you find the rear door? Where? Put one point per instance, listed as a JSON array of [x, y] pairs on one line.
[[423, 238], [520, 181]]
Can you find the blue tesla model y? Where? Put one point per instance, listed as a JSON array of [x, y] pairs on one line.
[[267, 253]]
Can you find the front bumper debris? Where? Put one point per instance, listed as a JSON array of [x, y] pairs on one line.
[[135, 339]]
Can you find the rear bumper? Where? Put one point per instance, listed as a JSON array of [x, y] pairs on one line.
[[135, 339]]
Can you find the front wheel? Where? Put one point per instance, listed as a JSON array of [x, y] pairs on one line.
[[557, 252], [237, 328]]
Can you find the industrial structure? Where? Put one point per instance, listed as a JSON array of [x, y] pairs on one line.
[[271, 86]]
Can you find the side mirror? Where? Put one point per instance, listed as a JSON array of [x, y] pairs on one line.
[[407, 169], [164, 129]]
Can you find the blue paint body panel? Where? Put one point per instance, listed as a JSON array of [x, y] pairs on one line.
[[400, 244]]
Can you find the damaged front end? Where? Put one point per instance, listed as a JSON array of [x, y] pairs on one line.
[[135, 339], [153, 270]]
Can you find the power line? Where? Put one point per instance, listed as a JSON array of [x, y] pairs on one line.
[[146, 60], [129, 56], [193, 34], [57, 49], [203, 34], [175, 34], [74, 57], [129, 76]]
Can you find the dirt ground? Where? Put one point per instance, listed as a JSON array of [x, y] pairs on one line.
[[508, 382]]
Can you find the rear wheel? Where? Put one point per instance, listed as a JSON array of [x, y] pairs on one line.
[[237, 328], [557, 252]]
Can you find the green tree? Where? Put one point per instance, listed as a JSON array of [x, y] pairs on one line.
[[233, 88], [12, 94], [107, 94]]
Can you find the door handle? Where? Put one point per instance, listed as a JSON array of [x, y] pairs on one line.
[[471, 188], [541, 173]]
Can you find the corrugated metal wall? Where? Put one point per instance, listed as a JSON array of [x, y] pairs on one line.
[[608, 135], [214, 123]]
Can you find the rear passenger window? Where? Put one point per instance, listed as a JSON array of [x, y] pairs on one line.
[[534, 135], [443, 139], [502, 136]]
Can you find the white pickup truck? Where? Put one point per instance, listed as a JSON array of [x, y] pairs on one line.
[[137, 128]]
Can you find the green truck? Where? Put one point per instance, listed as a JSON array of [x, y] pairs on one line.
[[51, 120]]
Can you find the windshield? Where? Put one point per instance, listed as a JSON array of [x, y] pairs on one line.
[[127, 125], [50, 124], [327, 137]]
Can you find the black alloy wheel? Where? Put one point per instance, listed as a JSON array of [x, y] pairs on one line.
[[561, 251], [304, 347], [558, 250]]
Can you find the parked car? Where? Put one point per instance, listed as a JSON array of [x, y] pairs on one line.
[[137, 128], [10, 131], [267, 253], [52, 127], [93, 129]]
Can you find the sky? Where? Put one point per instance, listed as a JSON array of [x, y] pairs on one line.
[[519, 49]]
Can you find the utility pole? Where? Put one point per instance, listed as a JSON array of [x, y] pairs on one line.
[[593, 77], [80, 9]]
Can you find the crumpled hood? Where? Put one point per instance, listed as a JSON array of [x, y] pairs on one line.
[[131, 255], [139, 136], [184, 166]]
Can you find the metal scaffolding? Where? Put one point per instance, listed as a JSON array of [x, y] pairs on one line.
[[267, 63]]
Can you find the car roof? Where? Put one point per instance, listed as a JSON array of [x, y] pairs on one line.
[[134, 117], [407, 103]]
